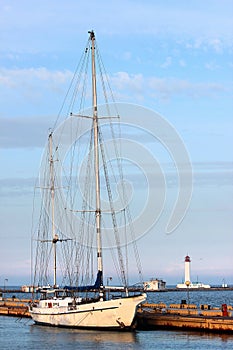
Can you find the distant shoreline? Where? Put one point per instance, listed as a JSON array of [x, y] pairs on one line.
[[174, 289], [211, 289]]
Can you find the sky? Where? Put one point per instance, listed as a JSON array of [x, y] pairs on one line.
[[173, 57]]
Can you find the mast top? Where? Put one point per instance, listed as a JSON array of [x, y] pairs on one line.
[[92, 34]]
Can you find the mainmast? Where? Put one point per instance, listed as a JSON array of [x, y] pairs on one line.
[[96, 159], [52, 191]]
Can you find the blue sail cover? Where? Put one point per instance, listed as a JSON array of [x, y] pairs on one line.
[[98, 283]]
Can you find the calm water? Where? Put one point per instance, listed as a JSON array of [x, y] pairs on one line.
[[23, 334]]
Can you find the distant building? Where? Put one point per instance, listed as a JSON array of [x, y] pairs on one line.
[[154, 284], [27, 289], [224, 284], [187, 281]]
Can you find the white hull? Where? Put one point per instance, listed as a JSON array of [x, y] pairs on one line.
[[116, 313]]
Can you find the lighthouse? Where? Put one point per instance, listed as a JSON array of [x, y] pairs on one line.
[[187, 282], [187, 269]]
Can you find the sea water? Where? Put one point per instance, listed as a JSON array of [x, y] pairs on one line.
[[16, 333]]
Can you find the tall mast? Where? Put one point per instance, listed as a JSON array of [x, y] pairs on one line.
[[96, 159], [52, 190]]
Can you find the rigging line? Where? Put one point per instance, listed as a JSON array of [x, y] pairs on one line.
[[126, 250], [81, 103], [47, 262], [58, 194], [83, 87], [56, 154], [36, 264], [32, 234], [135, 247], [75, 267], [113, 173], [43, 205], [101, 65], [114, 258], [107, 105], [44, 230], [65, 252], [70, 254], [78, 85], [85, 82], [70, 86], [75, 85], [121, 261], [44, 264], [103, 84], [60, 210], [68, 180], [134, 243], [125, 200], [87, 187], [86, 175], [87, 252], [84, 248], [72, 264]]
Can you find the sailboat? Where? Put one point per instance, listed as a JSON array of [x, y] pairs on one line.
[[92, 305]]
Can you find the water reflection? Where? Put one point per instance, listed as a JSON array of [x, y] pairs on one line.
[[82, 336], [24, 334]]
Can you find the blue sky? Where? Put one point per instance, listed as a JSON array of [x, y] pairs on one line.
[[174, 57]]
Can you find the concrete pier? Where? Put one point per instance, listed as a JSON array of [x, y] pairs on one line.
[[14, 307], [183, 316]]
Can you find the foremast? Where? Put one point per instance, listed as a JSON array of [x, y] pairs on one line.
[[96, 165]]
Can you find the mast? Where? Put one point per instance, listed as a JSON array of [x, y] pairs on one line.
[[52, 190], [96, 160]]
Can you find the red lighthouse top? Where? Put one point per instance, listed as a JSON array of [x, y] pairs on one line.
[[187, 259]]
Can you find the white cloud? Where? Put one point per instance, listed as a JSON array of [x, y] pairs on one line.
[[11, 78], [127, 55], [35, 84], [122, 80], [217, 44], [31, 86], [168, 87], [182, 63], [167, 62], [207, 43], [211, 65], [164, 88]]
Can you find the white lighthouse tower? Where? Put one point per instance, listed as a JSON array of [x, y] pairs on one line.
[[187, 282], [187, 269]]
